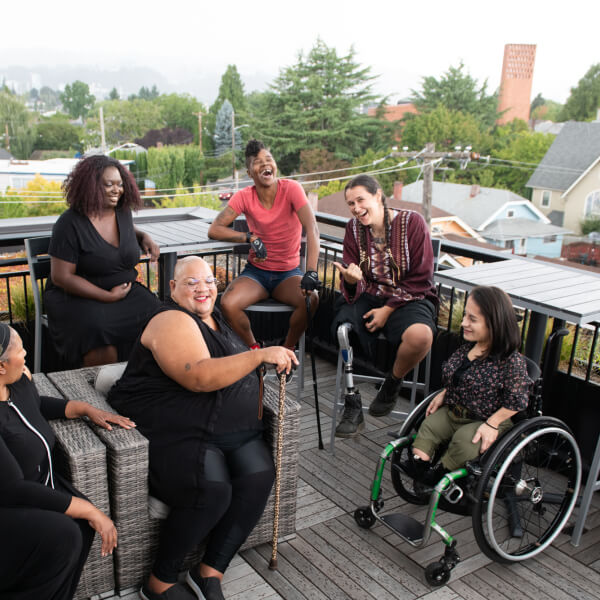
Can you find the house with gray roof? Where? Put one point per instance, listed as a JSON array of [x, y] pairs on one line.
[[500, 217], [566, 184]]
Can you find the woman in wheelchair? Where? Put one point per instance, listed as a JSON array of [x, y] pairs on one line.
[[524, 484], [486, 383]]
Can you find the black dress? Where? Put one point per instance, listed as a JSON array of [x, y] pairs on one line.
[[78, 325], [43, 550]]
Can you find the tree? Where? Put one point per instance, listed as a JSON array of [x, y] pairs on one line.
[[114, 95], [49, 98], [180, 111], [316, 103], [458, 91], [165, 136], [584, 99], [231, 89], [15, 117], [445, 127], [56, 133], [145, 94], [125, 120], [77, 100], [223, 130]]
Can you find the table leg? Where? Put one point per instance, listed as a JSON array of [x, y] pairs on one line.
[[535, 336], [166, 268]]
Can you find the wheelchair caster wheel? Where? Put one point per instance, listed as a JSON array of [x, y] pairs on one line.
[[364, 517], [437, 574]]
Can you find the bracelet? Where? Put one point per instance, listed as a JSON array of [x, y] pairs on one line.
[[248, 237], [490, 425]]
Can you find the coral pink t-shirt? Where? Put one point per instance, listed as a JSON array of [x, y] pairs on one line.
[[278, 227]]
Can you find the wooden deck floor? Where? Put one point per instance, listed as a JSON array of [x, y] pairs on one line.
[[332, 558]]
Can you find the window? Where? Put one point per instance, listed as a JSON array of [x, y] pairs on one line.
[[546, 198], [510, 214], [592, 204], [550, 239]]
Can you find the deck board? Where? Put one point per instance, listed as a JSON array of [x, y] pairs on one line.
[[331, 558]]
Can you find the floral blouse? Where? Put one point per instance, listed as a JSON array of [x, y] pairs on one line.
[[488, 384]]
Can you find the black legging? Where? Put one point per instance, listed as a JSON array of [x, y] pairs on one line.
[[42, 554], [236, 482]]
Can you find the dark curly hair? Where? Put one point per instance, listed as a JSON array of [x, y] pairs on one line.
[[372, 185], [253, 147], [500, 318], [84, 191]]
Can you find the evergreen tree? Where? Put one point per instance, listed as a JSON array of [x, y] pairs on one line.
[[231, 89], [114, 95], [223, 130], [317, 103], [584, 100]]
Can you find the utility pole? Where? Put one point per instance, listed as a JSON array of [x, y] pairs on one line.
[[7, 137], [233, 146], [429, 155], [199, 115], [102, 135]]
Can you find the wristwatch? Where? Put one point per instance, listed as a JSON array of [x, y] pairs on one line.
[[248, 237]]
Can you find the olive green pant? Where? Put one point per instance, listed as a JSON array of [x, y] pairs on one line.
[[443, 426]]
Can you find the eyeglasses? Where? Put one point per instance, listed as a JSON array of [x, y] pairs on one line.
[[192, 283]]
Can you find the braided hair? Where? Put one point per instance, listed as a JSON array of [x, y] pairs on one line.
[[372, 186]]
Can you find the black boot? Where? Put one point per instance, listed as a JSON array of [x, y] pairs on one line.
[[430, 479], [352, 421], [386, 397], [415, 467]]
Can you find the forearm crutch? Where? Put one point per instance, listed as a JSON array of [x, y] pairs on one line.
[[314, 369], [273, 562]]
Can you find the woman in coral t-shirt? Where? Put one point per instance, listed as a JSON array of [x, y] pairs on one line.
[[276, 210]]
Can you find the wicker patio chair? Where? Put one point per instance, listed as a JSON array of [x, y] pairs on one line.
[[127, 459], [80, 457]]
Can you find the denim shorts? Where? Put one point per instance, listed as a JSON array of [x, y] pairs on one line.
[[269, 279]]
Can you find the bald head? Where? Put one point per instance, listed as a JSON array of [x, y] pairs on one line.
[[189, 263]]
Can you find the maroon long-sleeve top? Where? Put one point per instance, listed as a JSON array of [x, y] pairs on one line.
[[410, 246]]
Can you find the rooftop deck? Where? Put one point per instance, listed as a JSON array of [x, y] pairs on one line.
[[331, 557]]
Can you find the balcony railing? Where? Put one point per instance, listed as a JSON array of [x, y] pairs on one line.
[[580, 355]]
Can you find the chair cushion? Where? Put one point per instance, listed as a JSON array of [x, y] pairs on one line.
[[107, 376]]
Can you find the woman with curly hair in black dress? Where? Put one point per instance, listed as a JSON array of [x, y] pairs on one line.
[[95, 306]]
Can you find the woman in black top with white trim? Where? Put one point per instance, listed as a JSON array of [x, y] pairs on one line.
[[46, 526]]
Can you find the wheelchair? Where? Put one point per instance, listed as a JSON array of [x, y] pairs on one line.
[[519, 493]]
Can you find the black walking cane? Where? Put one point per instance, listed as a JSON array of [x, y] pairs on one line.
[[280, 416], [314, 369]]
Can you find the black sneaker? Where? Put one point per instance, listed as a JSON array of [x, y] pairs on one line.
[[205, 588], [176, 592], [386, 397]]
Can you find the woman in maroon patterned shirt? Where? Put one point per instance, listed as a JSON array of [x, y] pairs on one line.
[[485, 384], [387, 287]]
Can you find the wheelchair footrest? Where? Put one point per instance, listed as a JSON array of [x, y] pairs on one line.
[[407, 527]]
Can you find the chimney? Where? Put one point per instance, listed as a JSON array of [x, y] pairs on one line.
[[398, 185], [475, 188]]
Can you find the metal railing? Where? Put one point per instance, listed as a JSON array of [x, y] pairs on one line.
[[580, 356]]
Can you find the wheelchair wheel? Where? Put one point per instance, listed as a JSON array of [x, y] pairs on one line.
[[527, 490], [364, 517]]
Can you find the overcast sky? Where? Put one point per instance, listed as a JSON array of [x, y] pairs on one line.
[[401, 41]]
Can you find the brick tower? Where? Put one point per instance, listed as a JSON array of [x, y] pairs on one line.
[[515, 86]]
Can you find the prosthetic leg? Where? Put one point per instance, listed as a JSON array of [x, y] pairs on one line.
[[352, 419]]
